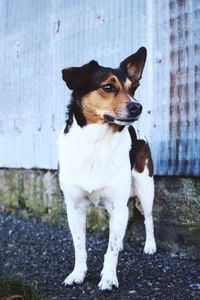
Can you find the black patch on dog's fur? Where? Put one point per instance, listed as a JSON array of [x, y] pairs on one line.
[[69, 120], [75, 109], [133, 143], [120, 128]]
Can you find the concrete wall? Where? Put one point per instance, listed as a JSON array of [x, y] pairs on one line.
[[35, 193]]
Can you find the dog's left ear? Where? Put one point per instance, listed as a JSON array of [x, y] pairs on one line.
[[134, 64]]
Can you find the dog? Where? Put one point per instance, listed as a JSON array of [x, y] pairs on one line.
[[101, 160]]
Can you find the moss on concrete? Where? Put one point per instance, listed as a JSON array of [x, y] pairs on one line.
[[35, 203], [57, 212], [196, 187], [33, 193], [192, 235], [8, 188], [97, 220]]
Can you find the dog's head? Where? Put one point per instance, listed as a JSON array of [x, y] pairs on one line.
[[106, 94]]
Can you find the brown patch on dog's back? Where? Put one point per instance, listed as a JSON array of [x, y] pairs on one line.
[[140, 154], [143, 157]]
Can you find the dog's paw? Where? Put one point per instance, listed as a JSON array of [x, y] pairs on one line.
[[107, 282], [77, 276], [150, 247]]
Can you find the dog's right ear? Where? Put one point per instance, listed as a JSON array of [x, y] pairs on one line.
[[76, 77]]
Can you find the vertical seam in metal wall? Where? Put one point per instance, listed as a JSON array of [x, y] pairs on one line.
[[150, 58]]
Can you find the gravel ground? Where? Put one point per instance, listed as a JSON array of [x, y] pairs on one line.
[[42, 255]]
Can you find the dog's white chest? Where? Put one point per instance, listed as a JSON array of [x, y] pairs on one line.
[[92, 157]]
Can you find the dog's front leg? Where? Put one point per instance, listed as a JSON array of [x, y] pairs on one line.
[[77, 223], [118, 223]]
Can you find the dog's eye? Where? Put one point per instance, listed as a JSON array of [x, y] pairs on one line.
[[108, 88]]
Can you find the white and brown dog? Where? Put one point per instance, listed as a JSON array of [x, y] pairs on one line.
[[101, 161]]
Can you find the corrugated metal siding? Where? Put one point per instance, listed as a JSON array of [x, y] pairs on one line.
[[39, 38], [184, 127], [176, 112]]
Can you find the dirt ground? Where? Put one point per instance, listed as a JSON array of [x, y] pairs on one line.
[[42, 256]]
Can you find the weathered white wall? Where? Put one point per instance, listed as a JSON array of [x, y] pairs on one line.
[[39, 38]]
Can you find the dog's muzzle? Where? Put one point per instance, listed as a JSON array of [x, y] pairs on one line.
[[133, 109]]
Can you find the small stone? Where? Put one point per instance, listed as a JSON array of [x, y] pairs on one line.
[[132, 292], [195, 286]]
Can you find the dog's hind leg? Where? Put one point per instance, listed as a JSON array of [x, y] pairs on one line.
[[143, 184], [143, 188], [77, 223]]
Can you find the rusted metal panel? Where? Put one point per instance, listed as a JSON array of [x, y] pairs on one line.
[[39, 38], [183, 144]]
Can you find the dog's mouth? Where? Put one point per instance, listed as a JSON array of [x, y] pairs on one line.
[[120, 121]]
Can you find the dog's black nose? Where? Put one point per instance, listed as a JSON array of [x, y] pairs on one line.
[[134, 108]]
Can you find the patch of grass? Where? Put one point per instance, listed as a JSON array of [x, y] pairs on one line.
[[11, 289]]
